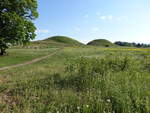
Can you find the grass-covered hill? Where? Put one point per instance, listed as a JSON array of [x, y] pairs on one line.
[[101, 42], [57, 41]]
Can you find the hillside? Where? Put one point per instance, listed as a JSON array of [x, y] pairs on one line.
[[101, 42], [57, 41]]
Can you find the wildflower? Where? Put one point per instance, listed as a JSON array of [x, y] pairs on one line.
[[57, 112], [87, 106], [108, 100], [78, 107]]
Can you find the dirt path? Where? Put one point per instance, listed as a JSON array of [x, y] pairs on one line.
[[30, 62]]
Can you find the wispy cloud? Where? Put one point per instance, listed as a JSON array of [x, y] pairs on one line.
[[105, 17], [122, 18], [86, 16], [43, 31], [102, 17], [111, 17]]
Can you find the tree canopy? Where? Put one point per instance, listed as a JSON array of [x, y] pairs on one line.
[[16, 22], [128, 44]]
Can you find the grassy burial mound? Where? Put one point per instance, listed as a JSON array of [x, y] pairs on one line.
[[101, 42], [57, 41]]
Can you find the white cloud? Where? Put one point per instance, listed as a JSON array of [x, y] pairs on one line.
[[103, 17], [107, 17], [110, 17], [43, 31], [86, 16]]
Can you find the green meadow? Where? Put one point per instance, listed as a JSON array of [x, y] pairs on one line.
[[61, 74], [84, 79], [16, 56]]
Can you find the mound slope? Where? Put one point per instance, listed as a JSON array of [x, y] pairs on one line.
[[59, 41], [101, 42]]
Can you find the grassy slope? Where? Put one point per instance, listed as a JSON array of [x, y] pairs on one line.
[[65, 40], [36, 88], [16, 56], [101, 42], [57, 41]]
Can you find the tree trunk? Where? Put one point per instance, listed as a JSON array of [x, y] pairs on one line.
[[2, 51]]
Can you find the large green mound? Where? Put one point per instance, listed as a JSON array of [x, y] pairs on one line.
[[65, 40], [101, 42], [58, 41]]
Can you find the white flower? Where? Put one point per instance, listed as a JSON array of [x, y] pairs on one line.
[[87, 106], [108, 100], [78, 107]]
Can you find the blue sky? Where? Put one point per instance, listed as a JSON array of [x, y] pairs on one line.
[[85, 20]]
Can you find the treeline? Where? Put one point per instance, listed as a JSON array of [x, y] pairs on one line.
[[131, 44]]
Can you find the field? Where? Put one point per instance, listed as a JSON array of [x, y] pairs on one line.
[[76, 80]]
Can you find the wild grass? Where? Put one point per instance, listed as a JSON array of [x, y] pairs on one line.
[[79, 80], [16, 56]]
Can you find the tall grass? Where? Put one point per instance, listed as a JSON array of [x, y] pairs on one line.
[[113, 83], [120, 83]]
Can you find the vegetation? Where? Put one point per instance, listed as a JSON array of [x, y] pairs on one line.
[[79, 80], [16, 25], [17, 56], [65, 40], [76, 79], [101, 42], [127, 44], [56, 41]]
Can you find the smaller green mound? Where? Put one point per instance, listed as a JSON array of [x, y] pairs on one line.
[[101, 42]]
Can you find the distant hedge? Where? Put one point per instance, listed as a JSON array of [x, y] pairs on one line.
[[131, 44]]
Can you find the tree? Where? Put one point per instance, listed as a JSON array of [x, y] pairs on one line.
[[16, 22]]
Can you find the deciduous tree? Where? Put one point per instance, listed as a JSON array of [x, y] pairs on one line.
[[16, 22]]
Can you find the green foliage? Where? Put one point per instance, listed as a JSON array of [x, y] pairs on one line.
[[116, 82], [128, 44], [16, 25], [85, 69]]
